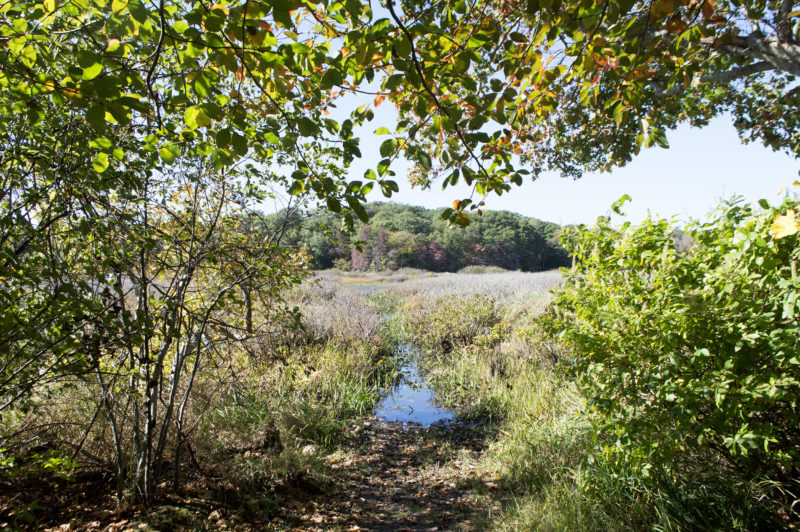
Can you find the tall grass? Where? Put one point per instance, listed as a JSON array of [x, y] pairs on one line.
[[501, 287]]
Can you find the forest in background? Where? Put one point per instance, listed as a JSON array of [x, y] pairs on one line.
[[401, 236]]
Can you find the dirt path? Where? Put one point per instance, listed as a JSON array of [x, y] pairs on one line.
[[398, 478], [389, 478]]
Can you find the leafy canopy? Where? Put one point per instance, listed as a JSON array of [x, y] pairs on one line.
[[489, 92], [577, 85]]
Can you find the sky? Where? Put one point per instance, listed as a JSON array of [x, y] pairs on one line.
[[687, 181], [701, 167]]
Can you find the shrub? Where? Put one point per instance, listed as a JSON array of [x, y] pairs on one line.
[[478, 269], [691, 353]]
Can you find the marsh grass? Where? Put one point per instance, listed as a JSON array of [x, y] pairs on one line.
[[501, 287], [265, 422]]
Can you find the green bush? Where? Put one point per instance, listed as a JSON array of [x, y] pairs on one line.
[[695, 353], [477, 268]]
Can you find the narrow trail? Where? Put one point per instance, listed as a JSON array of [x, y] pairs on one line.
[[402, 478]]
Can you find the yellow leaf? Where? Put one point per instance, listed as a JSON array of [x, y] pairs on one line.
[[784, 225]]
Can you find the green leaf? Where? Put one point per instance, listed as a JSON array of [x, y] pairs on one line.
[[330, 78], [296, 189], [425, 160], [280, 12], [659, 137], [101, 143], [332, 126], [195, 118], [169, 153], [92, 71], [239, 143], [383, 131], [307, 127], [333, 204], [224, 138], [461, 63], [358, 208], [387, 147], [617, 205], [402, 47], [469, 83], [180, 27], [96, 115], [100, 162], [393, 81]]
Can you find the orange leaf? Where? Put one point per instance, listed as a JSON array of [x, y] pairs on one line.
[[676, 24], [708, 9], [456, 205]]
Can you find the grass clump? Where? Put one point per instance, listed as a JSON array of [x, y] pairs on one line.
[[479, 269]]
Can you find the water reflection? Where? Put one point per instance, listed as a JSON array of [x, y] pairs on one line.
[[411, 400]]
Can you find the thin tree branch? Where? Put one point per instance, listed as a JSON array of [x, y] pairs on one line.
[[718, 77]]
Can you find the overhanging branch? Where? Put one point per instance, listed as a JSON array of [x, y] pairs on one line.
[[717, 77], [784, 56]]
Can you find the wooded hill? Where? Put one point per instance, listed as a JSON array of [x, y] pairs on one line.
[[398, 236]]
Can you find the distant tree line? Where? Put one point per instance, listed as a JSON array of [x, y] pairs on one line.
[[400, 236]]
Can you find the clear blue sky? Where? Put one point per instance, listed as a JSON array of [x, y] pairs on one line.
[[687, 180], [701, 167]]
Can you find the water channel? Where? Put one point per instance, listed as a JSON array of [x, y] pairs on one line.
[[411, 399]]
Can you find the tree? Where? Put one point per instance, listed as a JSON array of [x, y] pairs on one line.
[[691, 353], [380, 249], [134, 140], [359, 258]]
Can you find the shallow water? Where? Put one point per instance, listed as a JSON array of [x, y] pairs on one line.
[[411, 399]]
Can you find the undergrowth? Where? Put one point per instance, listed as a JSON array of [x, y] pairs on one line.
[[258, 429]]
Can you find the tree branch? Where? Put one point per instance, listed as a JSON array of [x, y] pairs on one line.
[[784, 56], [441, 108], [784, 25], [718, 77]]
